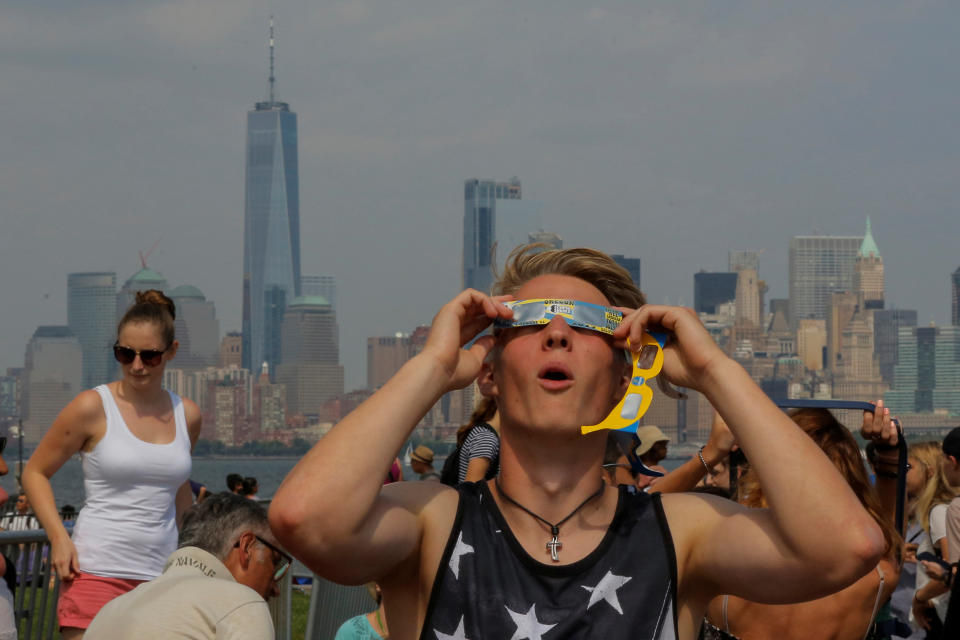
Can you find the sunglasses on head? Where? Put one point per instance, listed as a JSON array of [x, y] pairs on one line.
[[149, 357]]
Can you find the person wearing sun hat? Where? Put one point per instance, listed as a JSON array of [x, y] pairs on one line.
[[421, 461]]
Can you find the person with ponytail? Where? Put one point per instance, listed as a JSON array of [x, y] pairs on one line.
[[135, 441]]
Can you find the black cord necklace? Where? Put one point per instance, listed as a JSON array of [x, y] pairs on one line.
[[554, 545]]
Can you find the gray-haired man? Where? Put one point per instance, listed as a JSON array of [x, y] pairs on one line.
[[214, 585]]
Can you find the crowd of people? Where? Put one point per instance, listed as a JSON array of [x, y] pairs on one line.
[[776, 527]]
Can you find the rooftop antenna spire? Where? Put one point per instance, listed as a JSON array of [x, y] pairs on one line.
[[272, 78]]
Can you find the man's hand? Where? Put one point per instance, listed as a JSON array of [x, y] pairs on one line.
[[458, 322], [690, 350]]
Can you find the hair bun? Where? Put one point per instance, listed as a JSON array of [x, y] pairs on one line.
[[155, 297]]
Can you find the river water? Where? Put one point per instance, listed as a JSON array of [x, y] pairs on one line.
[[269, 472]]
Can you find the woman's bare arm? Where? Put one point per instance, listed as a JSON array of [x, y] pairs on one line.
[[74, 428]]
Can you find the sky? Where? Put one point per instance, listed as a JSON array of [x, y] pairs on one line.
[[668, 131]]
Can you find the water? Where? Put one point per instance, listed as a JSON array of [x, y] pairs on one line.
[[269, 472]]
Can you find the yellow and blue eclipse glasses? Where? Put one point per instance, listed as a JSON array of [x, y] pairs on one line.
[[540, 311], [647, 362]]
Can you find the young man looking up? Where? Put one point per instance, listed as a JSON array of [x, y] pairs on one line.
[[480, 562]]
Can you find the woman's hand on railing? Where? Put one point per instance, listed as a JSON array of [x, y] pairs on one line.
[[63, 556]]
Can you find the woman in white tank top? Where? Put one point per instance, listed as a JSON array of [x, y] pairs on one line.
[[135, 440]]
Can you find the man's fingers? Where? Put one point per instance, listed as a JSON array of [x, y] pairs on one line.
[[482, 346]]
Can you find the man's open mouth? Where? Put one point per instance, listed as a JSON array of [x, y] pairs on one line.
[[555, 372]]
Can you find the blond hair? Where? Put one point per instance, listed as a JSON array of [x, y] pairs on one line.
[[937, 490], [531, 261]]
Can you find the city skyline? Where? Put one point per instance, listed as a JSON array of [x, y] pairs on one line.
[[673, 134]]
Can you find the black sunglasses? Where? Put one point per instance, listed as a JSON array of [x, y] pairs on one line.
[[149, 357], [3, 443], [280, 566], [623, 465]]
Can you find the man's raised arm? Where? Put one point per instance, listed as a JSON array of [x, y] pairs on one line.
[[814, 539], [330, 510]]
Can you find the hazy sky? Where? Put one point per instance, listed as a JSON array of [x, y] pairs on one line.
[[669, 131]]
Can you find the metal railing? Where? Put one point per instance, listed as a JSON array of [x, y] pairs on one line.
[[37, 587]]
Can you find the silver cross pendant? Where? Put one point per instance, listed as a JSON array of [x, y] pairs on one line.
[[554, 547]]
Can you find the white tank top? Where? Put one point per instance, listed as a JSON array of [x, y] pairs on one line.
[[127, 526]]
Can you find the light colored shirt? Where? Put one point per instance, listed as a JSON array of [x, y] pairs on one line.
[[195, 597], [953, 531], [127, 527], [357, 628]]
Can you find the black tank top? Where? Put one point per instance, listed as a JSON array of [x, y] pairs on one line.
[[488, 587]]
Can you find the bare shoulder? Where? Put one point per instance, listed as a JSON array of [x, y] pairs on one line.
[[429, 501], [87, 408], [434, 505], [193, 415]]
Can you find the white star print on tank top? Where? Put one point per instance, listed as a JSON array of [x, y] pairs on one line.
[[625, 588]]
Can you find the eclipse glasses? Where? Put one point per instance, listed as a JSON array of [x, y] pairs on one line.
[[647, 362]]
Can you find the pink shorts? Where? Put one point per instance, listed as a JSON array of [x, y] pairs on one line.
[[84, 596]]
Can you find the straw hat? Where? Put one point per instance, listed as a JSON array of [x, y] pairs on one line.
[[649, 435], [422, 454]]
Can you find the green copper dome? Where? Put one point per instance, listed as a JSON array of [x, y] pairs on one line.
[[869, 246], [309, 301], [146, 275], [187, 291]]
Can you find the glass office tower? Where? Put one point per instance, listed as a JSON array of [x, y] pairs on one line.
[[92, 317], [480, 199], [271, 235]]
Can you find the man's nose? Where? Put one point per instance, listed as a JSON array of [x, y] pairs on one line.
[[557, 334]]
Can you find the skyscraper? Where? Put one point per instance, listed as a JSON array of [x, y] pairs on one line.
[[738, 260], [53, 372], [819, 266], [271, 234], [927, 376], [197, 329], [632, 265], [311, 368], [323, 286], [712, 289], [886, 328], [92, 317], [868, 282], [955, 300], [480, 198]]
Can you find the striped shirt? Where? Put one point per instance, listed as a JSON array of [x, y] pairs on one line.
[[479, 443]]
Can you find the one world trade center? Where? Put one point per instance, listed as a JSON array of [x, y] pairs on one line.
[[271, 233]]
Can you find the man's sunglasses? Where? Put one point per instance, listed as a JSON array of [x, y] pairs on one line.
[[281, 565], [149, 357], [3, 443], [614, 465]]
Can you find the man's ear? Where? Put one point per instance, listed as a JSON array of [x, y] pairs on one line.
[[488, 388], [245, 549]]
